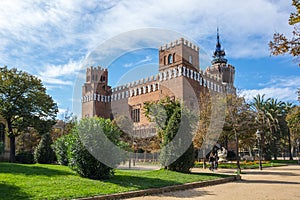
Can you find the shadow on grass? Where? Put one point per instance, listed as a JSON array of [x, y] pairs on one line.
[[14, 168], [216, 174], [12, 192], [140, 182], [144, 182]]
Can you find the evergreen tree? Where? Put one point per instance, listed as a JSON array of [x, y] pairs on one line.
[[44, 153]]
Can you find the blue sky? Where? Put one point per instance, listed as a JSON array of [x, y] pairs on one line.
[[54, 39]]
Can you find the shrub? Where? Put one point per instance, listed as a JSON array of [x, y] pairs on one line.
[[25, 157], [44, 153], [81, 161], [61, 146], [88, 132]]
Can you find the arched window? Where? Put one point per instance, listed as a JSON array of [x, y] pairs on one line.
[[102, 78], [170, 59]]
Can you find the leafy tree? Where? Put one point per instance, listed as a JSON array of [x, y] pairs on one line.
[[281, 44], [286, 108], [293, 120], [173, 121], [239, 121], [184, 162], [28, 140], [24, 103], [204, 120], [203, 124], [44, 153]]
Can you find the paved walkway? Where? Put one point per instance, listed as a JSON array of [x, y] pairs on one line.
[[278, 183]]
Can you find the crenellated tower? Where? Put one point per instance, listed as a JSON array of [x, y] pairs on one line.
[[180, 52], [96, 93]]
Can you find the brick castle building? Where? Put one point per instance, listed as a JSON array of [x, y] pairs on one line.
[[179, 77]]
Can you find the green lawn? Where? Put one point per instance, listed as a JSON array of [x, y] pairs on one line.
[[286, 161], [19, 181], [244, 165]]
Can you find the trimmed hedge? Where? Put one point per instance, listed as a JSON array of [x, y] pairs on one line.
[[25, 157]]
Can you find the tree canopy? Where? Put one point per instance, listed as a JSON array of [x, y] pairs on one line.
[[282, 44], [24, 103]]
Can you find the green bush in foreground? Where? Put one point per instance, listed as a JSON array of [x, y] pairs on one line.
[[61, 146], [81, 161], [96, 134], [44, 153]]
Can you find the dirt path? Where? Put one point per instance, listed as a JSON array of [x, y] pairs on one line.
[[276, 183]]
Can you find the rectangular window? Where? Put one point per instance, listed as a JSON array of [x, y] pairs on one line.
[[135, 115]]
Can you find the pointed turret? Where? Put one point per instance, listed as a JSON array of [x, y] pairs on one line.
[[219, 54]]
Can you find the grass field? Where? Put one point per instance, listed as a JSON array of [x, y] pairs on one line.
[[245, 165], [19, 181]]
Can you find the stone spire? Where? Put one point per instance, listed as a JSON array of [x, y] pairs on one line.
[[219, 54]]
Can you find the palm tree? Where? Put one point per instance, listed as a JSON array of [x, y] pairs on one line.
[[258, 105], [287, 107], [273, 112]]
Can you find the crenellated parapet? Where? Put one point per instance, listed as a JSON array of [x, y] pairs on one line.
[[178, 42], [152, 83]]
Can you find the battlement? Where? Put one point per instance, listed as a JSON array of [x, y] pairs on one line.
[[178, 42], [96, 74], [96, 69], [137, 83]]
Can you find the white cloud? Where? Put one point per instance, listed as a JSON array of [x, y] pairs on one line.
[[49, 38], [67, 69], [68, 29], [246, 27], [49, 80], [283, 94], [145, 60], [282, 88]]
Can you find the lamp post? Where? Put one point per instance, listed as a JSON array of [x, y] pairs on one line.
[[258, 137]]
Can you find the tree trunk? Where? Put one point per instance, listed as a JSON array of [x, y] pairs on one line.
[[12, 154], [237, 152], [290, 145], [12, 138], [274, 142]]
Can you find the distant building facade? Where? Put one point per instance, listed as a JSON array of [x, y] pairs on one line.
[[179, 77]]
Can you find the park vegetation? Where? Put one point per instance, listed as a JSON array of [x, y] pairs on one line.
[[24, 104]]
